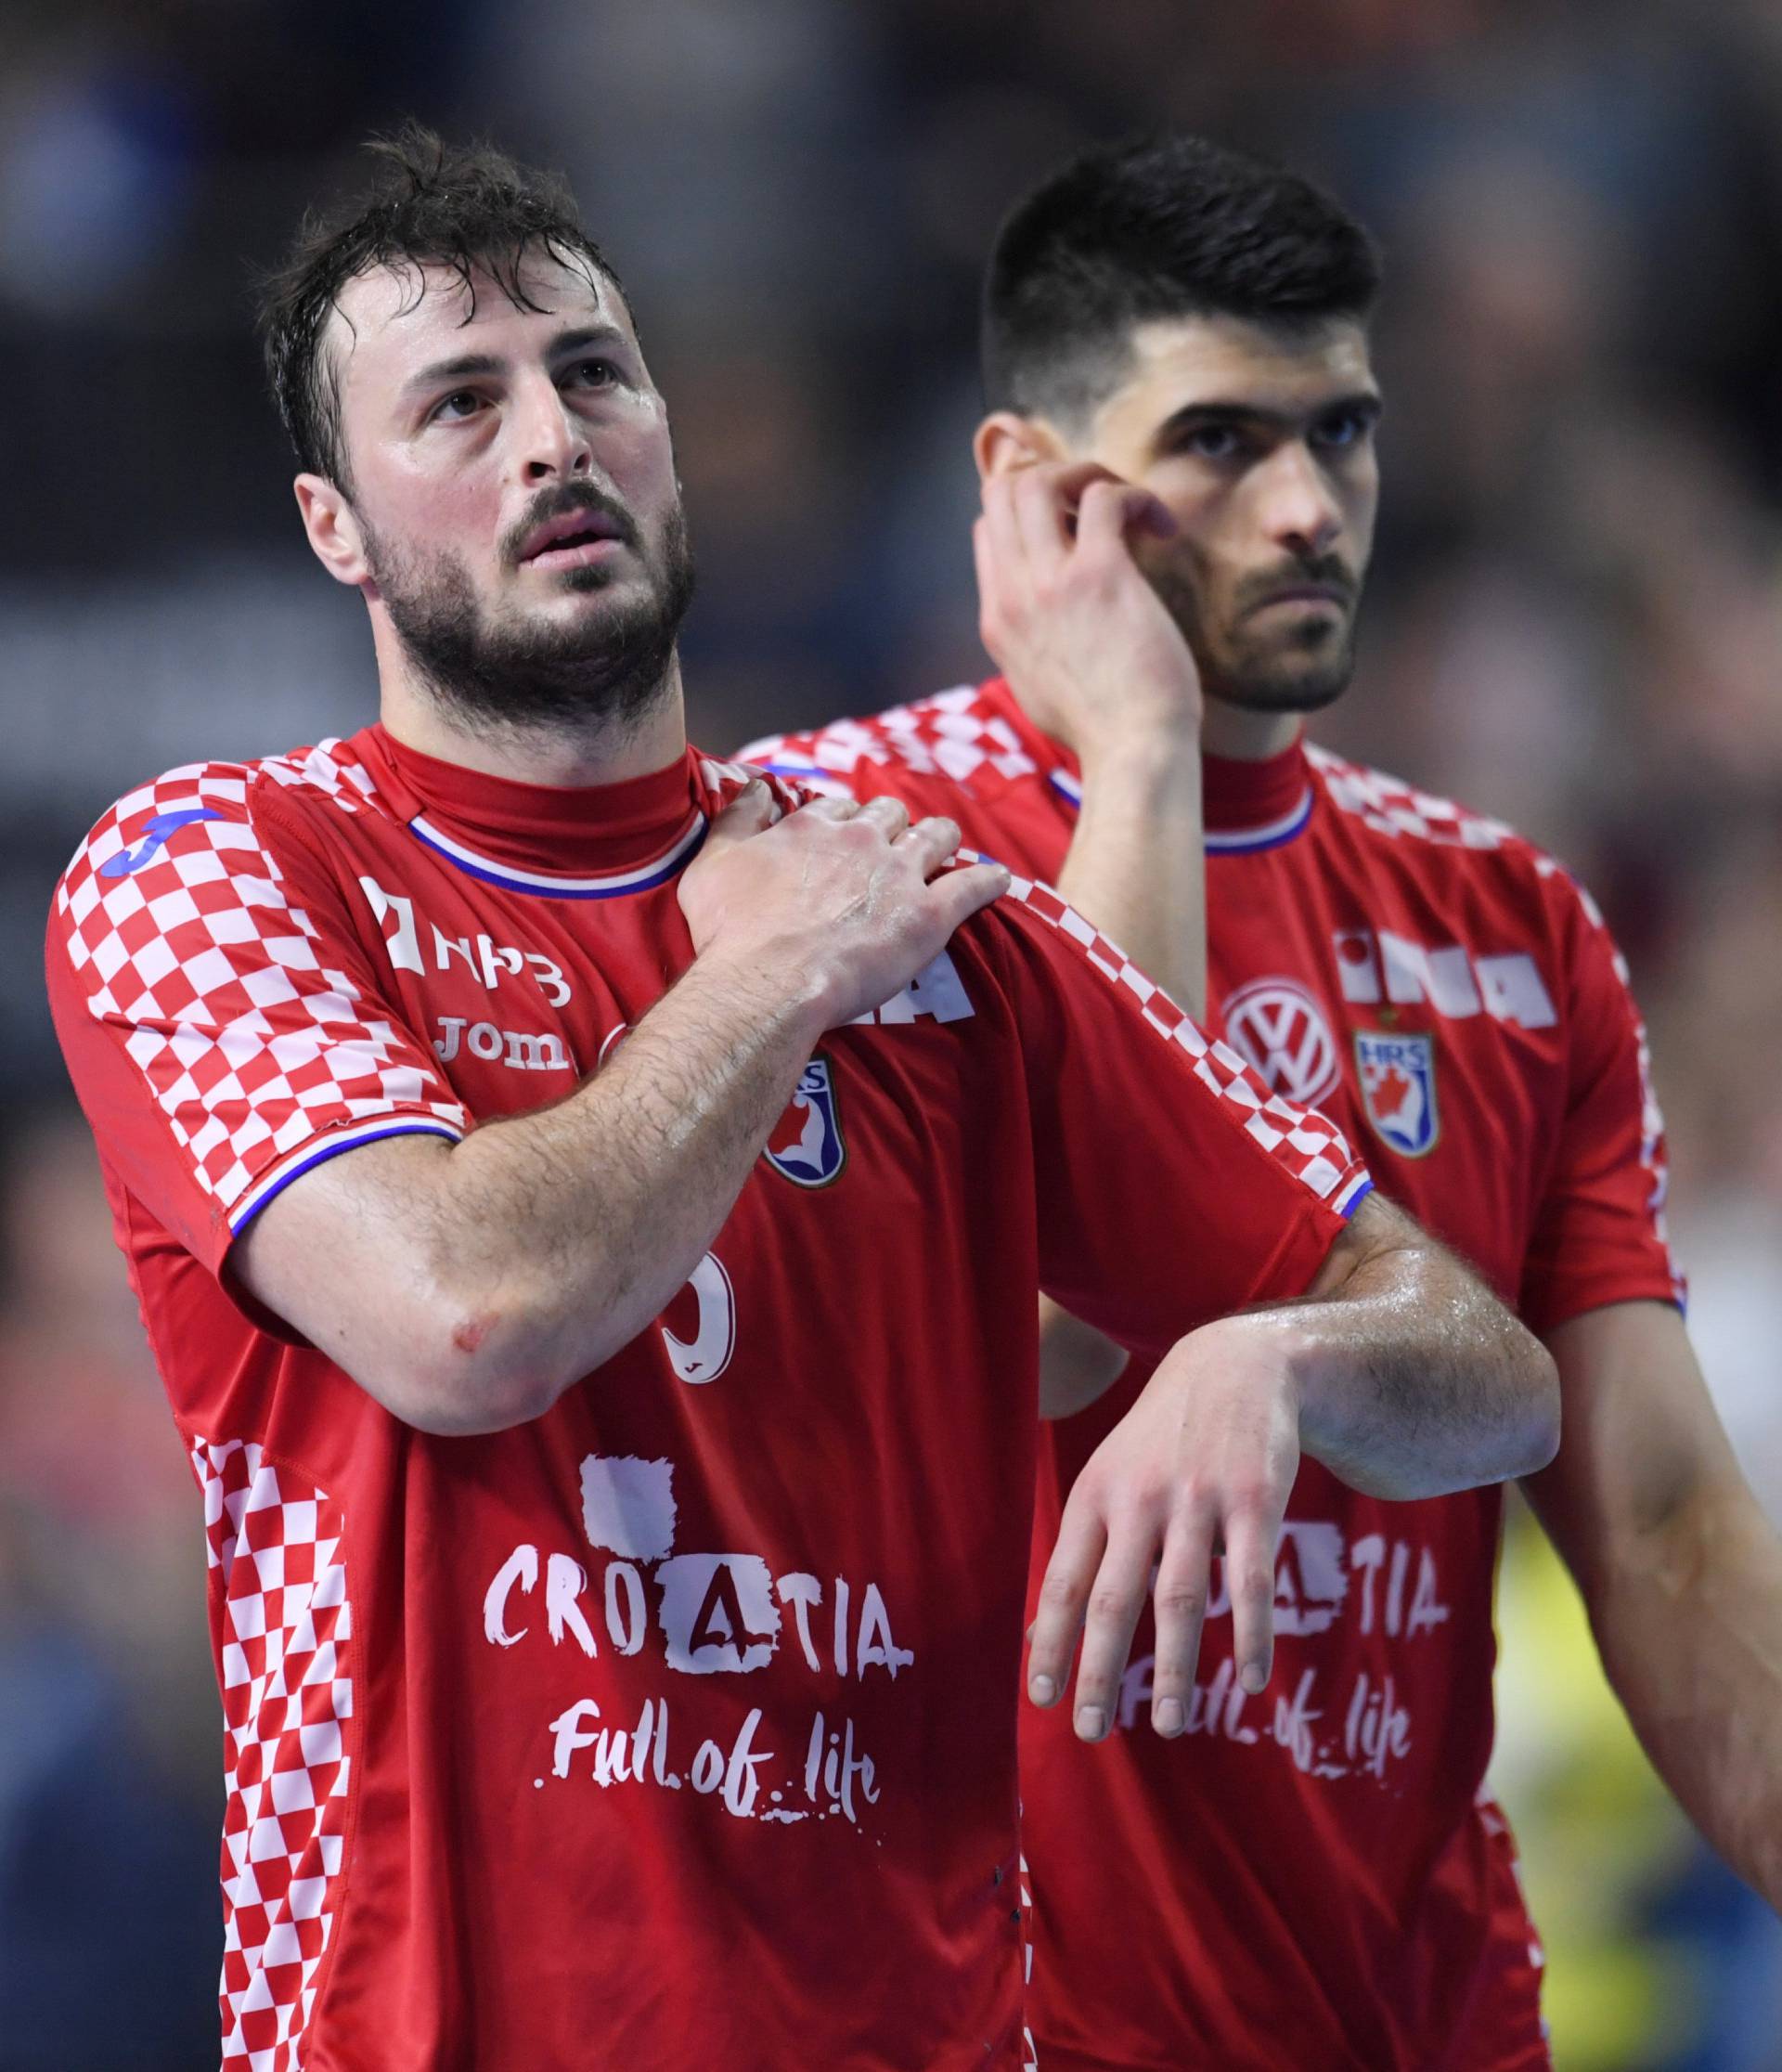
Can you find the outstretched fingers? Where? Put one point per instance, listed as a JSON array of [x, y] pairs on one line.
[[1095, 1583], [1252, 1532], [1179, 1607]]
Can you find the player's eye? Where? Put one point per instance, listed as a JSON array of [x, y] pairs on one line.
[[593, 373], [1212, 442], [460, 404], [1342, 428]]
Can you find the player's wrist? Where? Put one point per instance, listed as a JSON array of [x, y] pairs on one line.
[[767, 987], [1275, 1343], [1156, 759]]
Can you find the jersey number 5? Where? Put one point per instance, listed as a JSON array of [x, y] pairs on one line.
[[713, 1336]]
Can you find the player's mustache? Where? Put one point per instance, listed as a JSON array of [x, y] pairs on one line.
[[1328, 570], [556, 503]]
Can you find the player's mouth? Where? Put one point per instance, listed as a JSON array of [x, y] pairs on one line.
[[573, 539], [1303, 594]]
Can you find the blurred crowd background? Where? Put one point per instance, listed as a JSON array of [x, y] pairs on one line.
[[1575, 622]]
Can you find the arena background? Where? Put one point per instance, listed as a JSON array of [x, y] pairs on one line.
[[1576, 622]]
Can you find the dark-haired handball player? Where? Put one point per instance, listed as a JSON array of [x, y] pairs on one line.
[[1176, 349], [589, 1212]]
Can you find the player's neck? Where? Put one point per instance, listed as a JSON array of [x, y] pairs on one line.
[[1239, 735], [558, 755]]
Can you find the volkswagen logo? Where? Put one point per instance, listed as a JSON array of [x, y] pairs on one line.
[[1279, 1032]]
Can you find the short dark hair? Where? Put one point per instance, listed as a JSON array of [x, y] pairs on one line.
[[467, 207], [1165, 225]]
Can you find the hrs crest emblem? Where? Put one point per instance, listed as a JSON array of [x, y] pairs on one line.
[[806, 1144], [1279, 1030], [1398, 1089]]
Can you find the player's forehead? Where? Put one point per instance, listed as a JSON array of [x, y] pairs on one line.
[[1182, 363], [390, 322]]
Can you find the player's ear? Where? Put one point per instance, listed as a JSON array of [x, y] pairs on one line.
[[333, 529], [1006, 440]]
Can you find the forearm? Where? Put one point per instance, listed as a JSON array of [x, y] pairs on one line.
[[566, 1231], [1135, 869], [1136, 866], [1413, 1379], [465, 1289], [1689, 1619]]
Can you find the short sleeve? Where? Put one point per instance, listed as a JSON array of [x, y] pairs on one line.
[[222, 1026], [849, 760], [1172, 1187], [1599, 1234]]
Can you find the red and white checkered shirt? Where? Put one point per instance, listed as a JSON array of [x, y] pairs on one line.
[[675, 1727]]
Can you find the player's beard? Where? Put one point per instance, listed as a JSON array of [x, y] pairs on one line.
[[492, 673], [1301, 671]]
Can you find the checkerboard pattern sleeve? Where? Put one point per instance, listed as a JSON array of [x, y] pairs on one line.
[[953, 736], [275, 1546], [1171, 1187], [252, 1023], [1313, 1150]]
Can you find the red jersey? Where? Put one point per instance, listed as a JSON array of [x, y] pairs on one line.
[[1314, 1877], [677, 1726]]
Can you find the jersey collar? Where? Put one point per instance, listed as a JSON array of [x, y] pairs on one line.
[[565, 842], [1248, 806]]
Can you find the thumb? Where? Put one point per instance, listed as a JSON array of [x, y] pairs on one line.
[[751, 811]]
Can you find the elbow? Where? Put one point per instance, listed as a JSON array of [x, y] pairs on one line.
[[460, 1368], [1534, 1424], [1514, 1432], [1509, 1429]]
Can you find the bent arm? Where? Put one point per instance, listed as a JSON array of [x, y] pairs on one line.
[[1399, 1371], [1136, 868], [466, 1286], [1413, 1379], [465, 1289], [1679, 1570]]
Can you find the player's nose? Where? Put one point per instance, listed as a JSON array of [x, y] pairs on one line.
[[553, 443], [1300, 507]]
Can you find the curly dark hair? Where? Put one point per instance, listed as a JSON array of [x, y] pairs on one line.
[[467, 207], [1161, 226]]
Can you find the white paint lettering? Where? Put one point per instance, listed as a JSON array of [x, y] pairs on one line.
[[565, 1580], [520, 1568], [1426, 1609], [629, 1505], [802, 1592], [875, 1645], [1395, 1588], [841, 1627], [625, 1627], [572, 1730], [1368, 1554]]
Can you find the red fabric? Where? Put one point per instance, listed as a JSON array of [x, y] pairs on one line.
[[677, 1726], [1311, 1877]]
